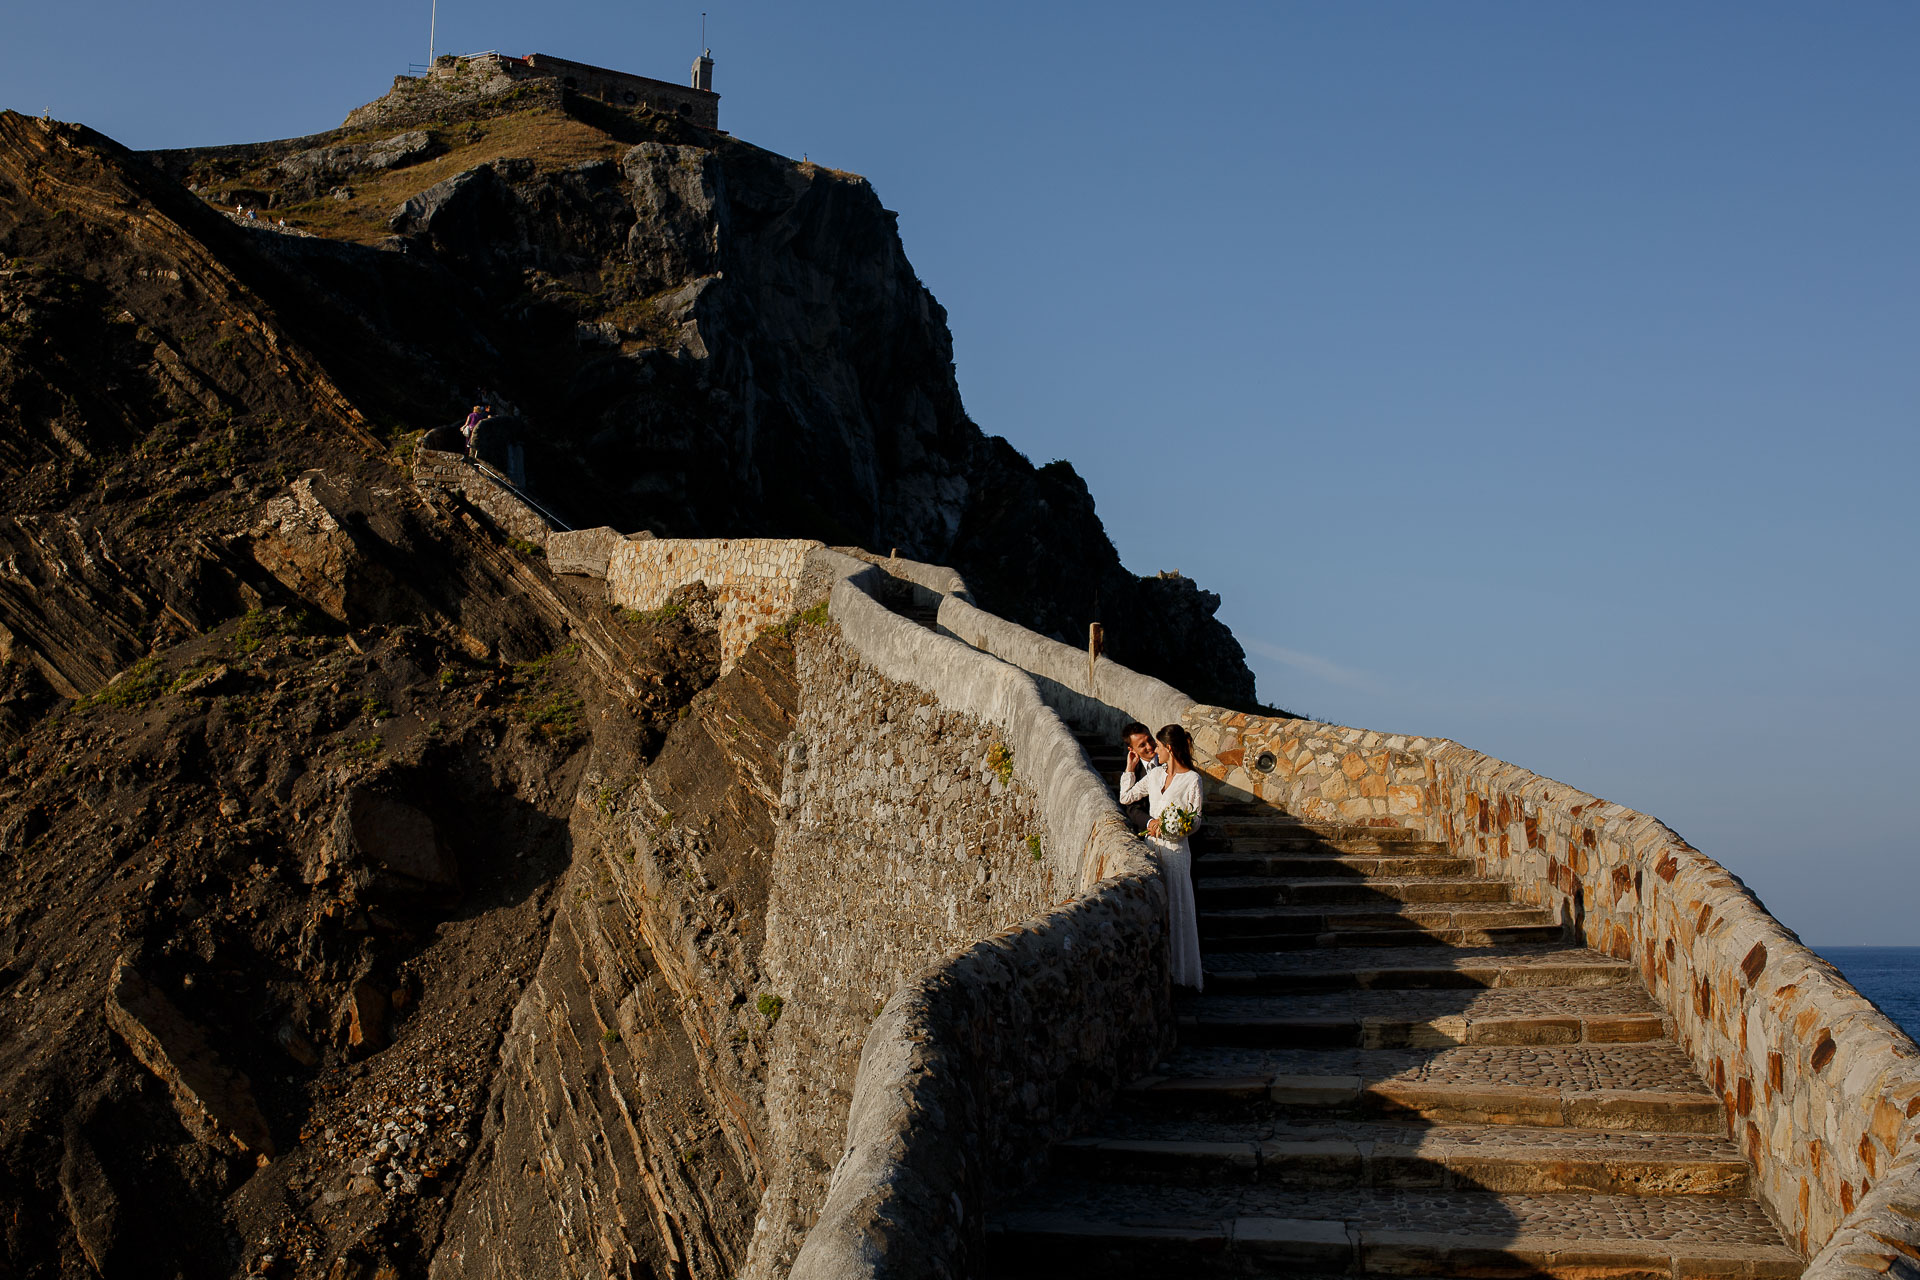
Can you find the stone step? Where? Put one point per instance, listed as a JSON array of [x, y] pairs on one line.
[[1074, 1228], [1326, 864], [1254, 891], [1620, 1014], [1649, 1087], [1421, 967], [1360, 840], [1359, 1153], [1275, 823], [1530, 935], [1227, 925]]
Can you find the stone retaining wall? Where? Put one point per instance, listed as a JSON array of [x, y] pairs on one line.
[[1822, 1091], [755, 581]]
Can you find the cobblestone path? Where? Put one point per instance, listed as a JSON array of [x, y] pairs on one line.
[[1395, 1070]]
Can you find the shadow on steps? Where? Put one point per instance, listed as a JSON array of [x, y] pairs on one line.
[[1394, 1071]]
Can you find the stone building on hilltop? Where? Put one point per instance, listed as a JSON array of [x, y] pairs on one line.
[[695, 102]]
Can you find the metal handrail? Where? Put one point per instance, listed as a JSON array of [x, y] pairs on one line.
[[519, 493]]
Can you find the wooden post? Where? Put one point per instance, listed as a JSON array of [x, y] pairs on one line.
[[1096, 643]]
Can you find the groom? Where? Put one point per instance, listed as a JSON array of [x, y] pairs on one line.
[[1142, 751]]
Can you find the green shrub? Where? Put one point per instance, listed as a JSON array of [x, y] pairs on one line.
[[557, 715], [814, 617], [544, 702], [769, 1006], [1000, 762], [138, 685], [260, 625], [671, 609]]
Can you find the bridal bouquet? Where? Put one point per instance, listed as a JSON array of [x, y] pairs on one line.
[[1176, 823]]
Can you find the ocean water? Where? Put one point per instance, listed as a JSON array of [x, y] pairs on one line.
[[1888, 976]]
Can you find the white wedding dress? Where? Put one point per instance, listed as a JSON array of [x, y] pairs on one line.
[[1161, 793]]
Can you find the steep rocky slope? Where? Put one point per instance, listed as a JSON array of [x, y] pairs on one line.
[[307, 772]]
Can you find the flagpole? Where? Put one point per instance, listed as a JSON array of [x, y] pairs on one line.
[[433, 23]]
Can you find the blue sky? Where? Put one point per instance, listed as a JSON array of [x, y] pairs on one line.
[[1539, 376]]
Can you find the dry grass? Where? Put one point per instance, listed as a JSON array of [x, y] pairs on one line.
[[546, 136], [810, 168]]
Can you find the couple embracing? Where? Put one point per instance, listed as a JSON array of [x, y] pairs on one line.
[[1161, 774]]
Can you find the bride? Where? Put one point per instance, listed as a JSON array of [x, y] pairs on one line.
[[1172, 792]]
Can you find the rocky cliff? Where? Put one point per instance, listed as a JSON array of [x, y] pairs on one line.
[[306, 806], [693, 335]]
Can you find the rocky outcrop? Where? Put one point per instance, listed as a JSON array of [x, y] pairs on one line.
[[92, 1203], [320, 167], [627, 1124], [454, 86], [392, 836], [214, 1101]]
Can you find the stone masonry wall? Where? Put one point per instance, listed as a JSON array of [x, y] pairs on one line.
[[452, 473], [755, 581], [1822, 1091], [899, 844], [981, 1061], [621, 88]]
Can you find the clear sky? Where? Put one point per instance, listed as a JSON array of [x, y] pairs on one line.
[[1539, 376]]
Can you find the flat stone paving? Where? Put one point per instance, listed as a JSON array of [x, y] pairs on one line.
[[1461, 1002], [1671, 1219], [1582, 1068]]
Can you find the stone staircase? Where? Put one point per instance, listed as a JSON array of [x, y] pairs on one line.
[[1395, 1070]]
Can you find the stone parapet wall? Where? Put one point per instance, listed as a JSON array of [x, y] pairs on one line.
[[936, 578], [1318, 772], [1822, 1091], [755, 581], [980, 1061], [1101, 695]]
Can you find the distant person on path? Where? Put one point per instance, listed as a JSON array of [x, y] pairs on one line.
[[474, 419], [1172, 791], [1140, 754]]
